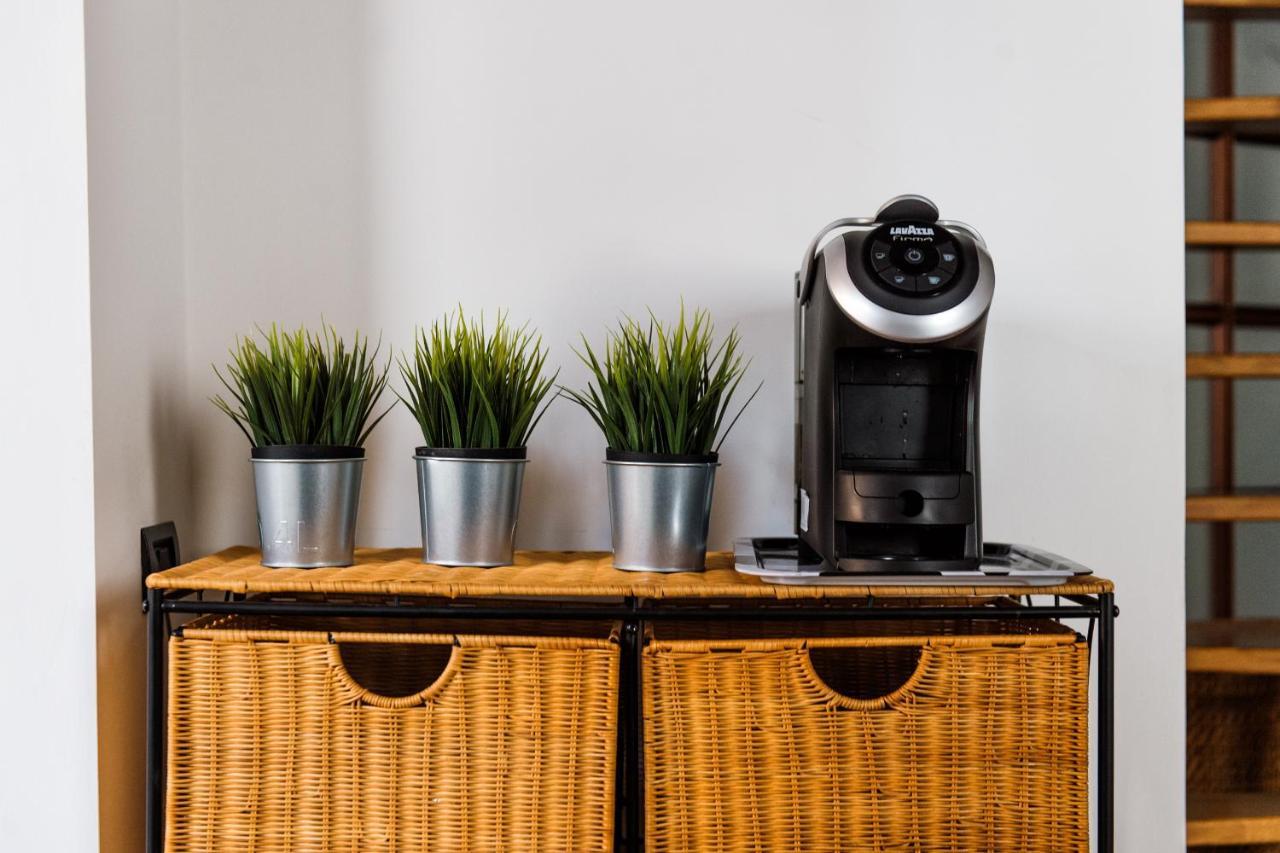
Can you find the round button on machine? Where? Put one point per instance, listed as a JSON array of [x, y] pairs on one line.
[[879, 255], [931, 281], [913, 257], [934, 280], [898, 279], [948, 256]]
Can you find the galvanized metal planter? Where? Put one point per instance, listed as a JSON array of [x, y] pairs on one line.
[[659, 510], [308, 497], [469, 501]]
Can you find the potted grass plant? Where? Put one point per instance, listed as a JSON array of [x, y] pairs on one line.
[[660, 394], [477, 395], [306, 403]]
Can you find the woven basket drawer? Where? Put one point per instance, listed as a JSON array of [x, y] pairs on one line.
[[972, 737], [389, 739]]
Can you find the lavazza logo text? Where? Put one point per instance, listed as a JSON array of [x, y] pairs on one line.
[[910, 231]]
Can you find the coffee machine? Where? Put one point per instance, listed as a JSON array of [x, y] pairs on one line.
[[889, 321]]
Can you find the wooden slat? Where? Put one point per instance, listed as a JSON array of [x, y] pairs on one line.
[[1244, 234], [1253, 633], [1250, 118], [1241, 646], [1251, 365], [1220, 819], [1233, 5], [1239, 108], [1211, 313], [1238, 661], [1234, 507], [1237, 9]]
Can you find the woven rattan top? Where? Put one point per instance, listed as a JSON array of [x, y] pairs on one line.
[[400, 571]]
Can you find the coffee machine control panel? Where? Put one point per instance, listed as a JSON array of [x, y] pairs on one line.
[[913, 258]]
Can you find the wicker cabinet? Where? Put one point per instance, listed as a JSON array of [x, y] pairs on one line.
[[559, 704]]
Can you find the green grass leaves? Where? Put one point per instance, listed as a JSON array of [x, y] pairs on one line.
[[657, 388], [472, 389], [663, 388], [300, 388]]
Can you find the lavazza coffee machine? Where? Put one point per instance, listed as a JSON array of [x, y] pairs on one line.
[[890, 315]]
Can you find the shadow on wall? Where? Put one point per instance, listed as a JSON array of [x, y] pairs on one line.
[[144, 478], [760, 459], [565, 497], [1017, 418], [276, 219]]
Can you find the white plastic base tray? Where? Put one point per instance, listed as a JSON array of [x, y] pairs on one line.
[[779, 561]]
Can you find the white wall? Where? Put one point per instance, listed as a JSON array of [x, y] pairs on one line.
[[275, 222], [139, 369], [48, 785], [376, 163]]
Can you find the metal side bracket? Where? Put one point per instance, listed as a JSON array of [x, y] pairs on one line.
[[159, 552]]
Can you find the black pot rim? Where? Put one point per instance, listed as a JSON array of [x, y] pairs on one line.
[[478, 453], [306, 452], [612, 455]]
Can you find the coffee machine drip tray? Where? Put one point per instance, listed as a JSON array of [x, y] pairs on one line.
[[788, 560]]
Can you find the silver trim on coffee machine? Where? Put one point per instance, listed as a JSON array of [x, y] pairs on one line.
[[907, 328]]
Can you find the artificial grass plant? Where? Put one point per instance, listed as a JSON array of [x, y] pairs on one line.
[[664, 388], [303, 388], [471, 387]]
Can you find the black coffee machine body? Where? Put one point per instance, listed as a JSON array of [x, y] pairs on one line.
[[890, 317]]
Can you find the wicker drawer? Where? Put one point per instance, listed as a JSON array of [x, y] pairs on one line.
[[285, 737], [964, 737], [1233, 732]]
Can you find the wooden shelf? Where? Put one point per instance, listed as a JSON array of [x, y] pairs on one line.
[[1250, 118], [1220, 819], [1252, 365], [1238, 506], [1240, 234], [1241, 646], [1202, 9]]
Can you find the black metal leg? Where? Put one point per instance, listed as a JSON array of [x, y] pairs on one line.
[[634, 721], [155, 722], [622, 796], [1106, 723]]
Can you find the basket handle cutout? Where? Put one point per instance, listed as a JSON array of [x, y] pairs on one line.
[[394, 674], [865, 678]]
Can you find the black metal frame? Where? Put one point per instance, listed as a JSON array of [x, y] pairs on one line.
[[1099, 610]]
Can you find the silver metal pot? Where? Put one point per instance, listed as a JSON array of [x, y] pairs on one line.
[[308, 498], [469, 501], [659, 509]]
